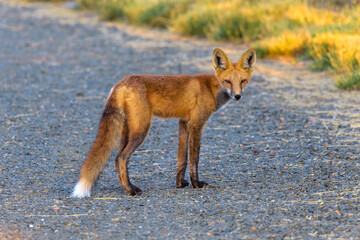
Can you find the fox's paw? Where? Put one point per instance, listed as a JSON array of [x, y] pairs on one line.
[[182, 184], [199, 184], [134, 191]]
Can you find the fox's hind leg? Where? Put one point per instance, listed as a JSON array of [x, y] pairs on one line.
[[138, 122], [182, 154], [123, 144], [135, 139]]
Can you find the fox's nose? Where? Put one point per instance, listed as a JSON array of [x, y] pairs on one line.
[[237, 97]]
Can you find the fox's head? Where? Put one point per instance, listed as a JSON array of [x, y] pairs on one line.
[[234, 77]]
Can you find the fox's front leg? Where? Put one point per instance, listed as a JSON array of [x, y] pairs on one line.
[[194, 143], [182, 154]]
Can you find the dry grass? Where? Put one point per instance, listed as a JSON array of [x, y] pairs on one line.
[[326, 31], [331, 39]]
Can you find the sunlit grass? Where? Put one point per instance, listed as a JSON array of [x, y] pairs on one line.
[[331, 39], [229, 20], [341, 53], [195, 22], [304, 15], [327, 31], [155, 13], [349, 81], [289, 43]]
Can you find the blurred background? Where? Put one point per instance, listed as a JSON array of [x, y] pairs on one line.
[[327, 32]]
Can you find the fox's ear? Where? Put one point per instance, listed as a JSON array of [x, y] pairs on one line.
[[247, 60], [221, 61]]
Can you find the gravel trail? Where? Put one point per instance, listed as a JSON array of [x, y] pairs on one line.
[[283, 162]]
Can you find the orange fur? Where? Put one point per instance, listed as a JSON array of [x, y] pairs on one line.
[[137, 98]]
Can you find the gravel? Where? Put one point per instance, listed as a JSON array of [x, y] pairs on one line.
[[283, 162]]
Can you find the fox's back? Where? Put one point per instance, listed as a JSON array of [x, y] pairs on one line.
[[167, 95]]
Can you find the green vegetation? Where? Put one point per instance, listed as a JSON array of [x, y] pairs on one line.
[[328, 31]]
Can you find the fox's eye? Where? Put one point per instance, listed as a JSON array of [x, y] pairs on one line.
[[227, 81], [243, 81]]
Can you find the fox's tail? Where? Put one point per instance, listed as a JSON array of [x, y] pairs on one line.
[[110, 128]]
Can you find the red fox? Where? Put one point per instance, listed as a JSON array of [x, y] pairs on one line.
[[133, 102]]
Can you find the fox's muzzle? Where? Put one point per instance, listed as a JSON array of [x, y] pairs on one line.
[[237, 97]]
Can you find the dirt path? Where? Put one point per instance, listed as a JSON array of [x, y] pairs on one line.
[[284, 162]]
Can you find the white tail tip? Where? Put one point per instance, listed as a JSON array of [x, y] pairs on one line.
[[81, 189]]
